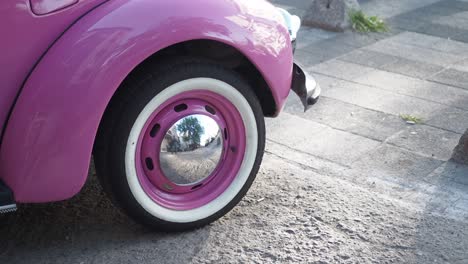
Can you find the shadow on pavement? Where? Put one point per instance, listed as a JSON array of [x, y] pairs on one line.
[[443, 227], [89, 229]]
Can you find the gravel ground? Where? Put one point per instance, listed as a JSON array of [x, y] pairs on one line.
[[291, 215]]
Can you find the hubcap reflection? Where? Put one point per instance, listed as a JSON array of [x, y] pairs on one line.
[[191, 150]]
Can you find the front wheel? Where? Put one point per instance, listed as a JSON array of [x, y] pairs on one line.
[[182, 148]]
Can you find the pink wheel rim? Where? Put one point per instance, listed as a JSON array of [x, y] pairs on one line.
[[185, 197]]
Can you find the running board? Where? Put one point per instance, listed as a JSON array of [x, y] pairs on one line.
[[7, 202], [8, 209]]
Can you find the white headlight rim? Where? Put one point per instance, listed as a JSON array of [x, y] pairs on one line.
[[292, 22]]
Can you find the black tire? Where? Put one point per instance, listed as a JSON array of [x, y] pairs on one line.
[[125, 107]]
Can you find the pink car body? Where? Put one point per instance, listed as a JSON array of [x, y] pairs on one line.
[[62, 61]]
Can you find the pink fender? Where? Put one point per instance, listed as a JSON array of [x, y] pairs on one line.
[[47, 145]]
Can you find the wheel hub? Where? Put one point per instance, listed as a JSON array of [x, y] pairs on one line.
[[190, 150]]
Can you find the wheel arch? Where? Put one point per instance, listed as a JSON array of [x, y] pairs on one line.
[[48, 141], [215, 52]]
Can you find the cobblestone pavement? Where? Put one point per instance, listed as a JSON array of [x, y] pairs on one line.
[[346, 182]]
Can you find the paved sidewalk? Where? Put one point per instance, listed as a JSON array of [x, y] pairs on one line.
[[355, 133], [347, 182]]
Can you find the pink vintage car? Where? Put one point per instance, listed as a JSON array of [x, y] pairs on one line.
[[167, 96]]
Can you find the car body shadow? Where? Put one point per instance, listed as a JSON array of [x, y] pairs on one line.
[[89, 229]]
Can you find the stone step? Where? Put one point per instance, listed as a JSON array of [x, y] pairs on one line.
[[434, 114], [318, 140], [348, 117]]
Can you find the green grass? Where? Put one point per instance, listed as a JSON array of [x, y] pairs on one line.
[[410, 118], [364, 24]]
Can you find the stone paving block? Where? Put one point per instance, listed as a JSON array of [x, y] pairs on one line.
[[416, 39], [452, 46], [325, 50], [415, 53], [333, 46], [318, 140], [461, 65], [308, 32], [348, 117], [449, 118], [432, 91], [416, 17], [447, 172], [382, 100], [450, 172], [305, 41], [439, 30], [455, 4], [360, 40], [434, 114], [368, 58], [326, 82], [386, 9], [442, 185], [311, 57], [462, 37], [445, 7], [444, 174], [456, 209], [412, 68], [435, 9], [429, 141], [462, 177], [462, 204], [431, 42], [393, 164], [317, 163], [458, 20], [396, 24], [452, 77], [340, 69]]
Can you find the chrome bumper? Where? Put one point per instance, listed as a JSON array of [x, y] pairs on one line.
[[305, 86]]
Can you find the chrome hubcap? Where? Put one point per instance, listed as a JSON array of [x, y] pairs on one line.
[[191, 150]]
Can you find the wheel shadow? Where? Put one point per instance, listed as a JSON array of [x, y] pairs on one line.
[[89, 229]]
